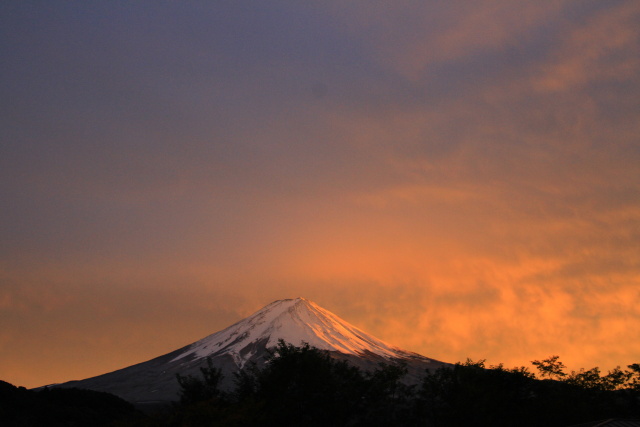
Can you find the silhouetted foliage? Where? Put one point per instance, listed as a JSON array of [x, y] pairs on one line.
[[306, 386], [633, 382], [550, 368], [388, 401], [471, 394], [194, 389]]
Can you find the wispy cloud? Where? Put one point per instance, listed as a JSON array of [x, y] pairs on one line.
[[596, 51]]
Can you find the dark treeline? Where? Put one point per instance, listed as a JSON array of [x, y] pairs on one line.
[[304, 386]]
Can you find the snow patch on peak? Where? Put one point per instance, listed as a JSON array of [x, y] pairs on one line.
[[295, 321]]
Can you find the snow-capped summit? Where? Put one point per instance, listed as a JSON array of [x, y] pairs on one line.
[[296, 321]]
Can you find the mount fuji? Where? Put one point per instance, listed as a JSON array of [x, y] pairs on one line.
[[296, 321]]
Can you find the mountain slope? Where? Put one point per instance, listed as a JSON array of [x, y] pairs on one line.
[[292, 320], [295, 321]]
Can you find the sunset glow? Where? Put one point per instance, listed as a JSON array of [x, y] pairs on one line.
[[459, 179]]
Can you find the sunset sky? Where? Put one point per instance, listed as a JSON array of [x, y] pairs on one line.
[[460, 179]]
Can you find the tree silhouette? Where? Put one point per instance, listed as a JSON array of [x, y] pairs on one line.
[[550, 368], [194, 389], [302, 385]]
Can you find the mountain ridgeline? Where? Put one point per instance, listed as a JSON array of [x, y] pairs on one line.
[[294, 363], [247, 343]]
